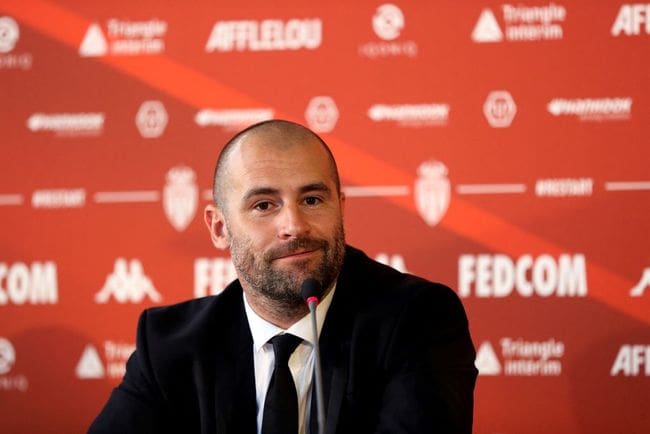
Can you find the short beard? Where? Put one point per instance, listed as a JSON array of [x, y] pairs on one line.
[[281, 290]]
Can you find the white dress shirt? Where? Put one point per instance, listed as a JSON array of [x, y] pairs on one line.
[[301, 362]]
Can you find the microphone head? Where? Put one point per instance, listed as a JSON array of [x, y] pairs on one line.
[[311, 288]]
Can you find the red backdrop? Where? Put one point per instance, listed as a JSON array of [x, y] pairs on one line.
[[499, 148]]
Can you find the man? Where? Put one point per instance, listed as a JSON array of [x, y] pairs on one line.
[[396, 352]]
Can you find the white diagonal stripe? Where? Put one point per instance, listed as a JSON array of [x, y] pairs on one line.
[[627, 185], [126, 196], [490, 188], [11, 199], [377, 190]]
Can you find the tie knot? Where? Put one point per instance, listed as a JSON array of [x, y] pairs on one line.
[[283, 347]]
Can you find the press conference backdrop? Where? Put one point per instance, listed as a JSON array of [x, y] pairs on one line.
[[498, 147]]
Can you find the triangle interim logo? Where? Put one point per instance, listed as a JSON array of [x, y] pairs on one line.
[[487, 29], [90, 365], [486, 360], [94, 43]]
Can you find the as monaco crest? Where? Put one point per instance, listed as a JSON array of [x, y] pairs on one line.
[[180, 196], [432, 191]]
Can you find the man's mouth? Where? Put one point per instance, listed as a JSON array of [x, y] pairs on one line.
[[299, 254]]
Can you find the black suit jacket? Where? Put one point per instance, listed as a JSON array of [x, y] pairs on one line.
[[396, 354]]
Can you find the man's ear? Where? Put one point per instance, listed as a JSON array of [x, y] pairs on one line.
[[216, 224], [342, 202]]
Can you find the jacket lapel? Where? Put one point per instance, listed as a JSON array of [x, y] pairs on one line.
[[335, 341], [234, 385]]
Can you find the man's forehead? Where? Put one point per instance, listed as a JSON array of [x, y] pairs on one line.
[[265, 150]]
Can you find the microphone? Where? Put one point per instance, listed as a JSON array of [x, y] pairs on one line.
[[311, 290]]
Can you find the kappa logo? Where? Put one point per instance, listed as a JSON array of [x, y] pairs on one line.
[[487, 362], [322, 114], [151, 119], [638, 289], [487, 29], [127, 283], [94, 42], [9, 34], [632, 20], [90, 366], [180, 197], [499, 109], [432, 191], [388, 22], [7, 356]]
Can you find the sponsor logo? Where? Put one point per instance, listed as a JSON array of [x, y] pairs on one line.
[[124, 38], [396, 261], [180, 197], [67, 124], [499, 109], [7, 361], [564, 187], [232, 119], [521, 24], [7, 356], [60, 198], [519, 357], [151, 119], [432, 191], [9, 35], [632, 361], [388, 23], [410, 115], [91, 366], [266, 35], [322, 114], [638, 289], [127, 284], [212, 275], [500, 276], [35, 284], [592, 109], [632, 20]]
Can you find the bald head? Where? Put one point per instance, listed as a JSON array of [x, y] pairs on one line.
[[279, 134]]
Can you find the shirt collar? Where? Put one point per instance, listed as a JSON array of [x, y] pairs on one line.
[[262, 330]]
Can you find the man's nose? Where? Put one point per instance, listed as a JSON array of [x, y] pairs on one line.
[[292, 222]]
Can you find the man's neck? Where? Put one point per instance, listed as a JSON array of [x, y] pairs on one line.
[[275, 312]]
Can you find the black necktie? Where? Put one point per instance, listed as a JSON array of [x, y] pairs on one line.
[[281, 403]]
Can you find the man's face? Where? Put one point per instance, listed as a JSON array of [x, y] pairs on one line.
[[283, 218]]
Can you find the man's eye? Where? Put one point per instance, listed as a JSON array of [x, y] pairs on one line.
[[263, 206], [312, 200]]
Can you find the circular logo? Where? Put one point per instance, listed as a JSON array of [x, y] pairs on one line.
[[7, 356], [9, 33], [151, 119], [388, 21], [322, 114]]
